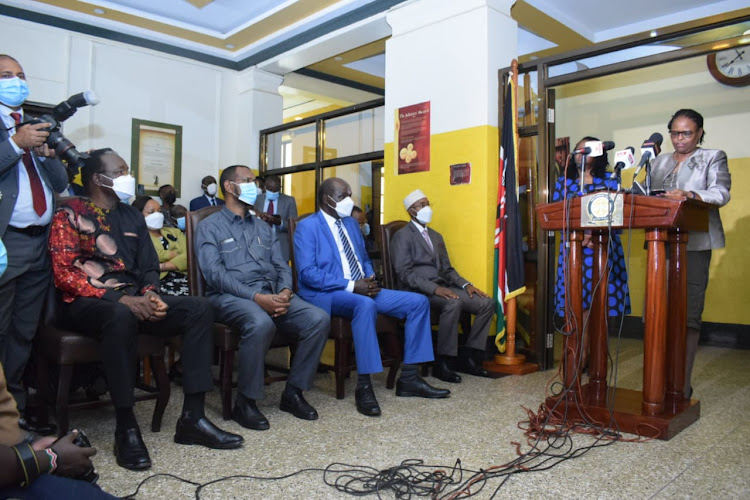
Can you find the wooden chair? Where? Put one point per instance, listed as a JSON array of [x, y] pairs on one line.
[[226, 338], [390, 279], [341, 334], [59, 347]]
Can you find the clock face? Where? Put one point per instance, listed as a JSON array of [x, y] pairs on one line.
[[731, 66]]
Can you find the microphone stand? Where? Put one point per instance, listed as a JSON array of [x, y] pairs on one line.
[[648, 177], [617, 176], [583, 173]]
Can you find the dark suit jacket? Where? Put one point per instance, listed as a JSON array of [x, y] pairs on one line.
[[418, 268], [202, 202], [317, 260], [286, 207], [51, 170]]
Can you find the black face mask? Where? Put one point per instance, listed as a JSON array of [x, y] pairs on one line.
[[170, 198]]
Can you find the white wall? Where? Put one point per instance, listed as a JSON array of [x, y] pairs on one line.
[[213, 105]]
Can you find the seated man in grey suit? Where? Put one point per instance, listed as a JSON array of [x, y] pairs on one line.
[[250, 287], [276, 208], [421, 262]]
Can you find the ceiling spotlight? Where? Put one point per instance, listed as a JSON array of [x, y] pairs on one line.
[[229, 45], [297, 118], [100, 11], [338, 58], [653, 34]]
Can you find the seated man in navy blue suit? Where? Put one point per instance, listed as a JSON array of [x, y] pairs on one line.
[[336, 275], [208, 198]]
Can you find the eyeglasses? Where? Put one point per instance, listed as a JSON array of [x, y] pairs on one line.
[[687, 134]]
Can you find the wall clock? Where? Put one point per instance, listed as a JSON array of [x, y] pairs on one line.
[[731, 66]]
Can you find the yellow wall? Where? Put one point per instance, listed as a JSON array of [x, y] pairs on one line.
[[728, 290], [464, 214], [303, 191]]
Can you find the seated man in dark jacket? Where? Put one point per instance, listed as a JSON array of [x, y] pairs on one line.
[[421, 262], [106, 267]]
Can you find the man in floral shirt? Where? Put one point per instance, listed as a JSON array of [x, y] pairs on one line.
[[107, 270]]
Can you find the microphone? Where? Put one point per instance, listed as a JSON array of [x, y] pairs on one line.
[[650, 149], [594, 148], [623, 159]]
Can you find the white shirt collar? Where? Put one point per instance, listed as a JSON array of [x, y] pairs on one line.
[[420, 228]]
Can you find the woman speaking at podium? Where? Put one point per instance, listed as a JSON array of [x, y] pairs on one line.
[[700, 174], [618, 297]]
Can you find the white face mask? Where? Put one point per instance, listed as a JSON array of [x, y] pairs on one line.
[[424, 215], [123, 186], [344, 207], [155, 221], [211, 189]]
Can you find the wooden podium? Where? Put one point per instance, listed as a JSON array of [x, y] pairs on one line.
[[660, 410]]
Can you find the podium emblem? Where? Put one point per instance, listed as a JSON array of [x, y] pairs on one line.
[[601, 209]]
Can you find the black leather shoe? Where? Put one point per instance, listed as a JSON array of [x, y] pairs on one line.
[[366, 403], [130, 449], [32, 425], [249, 416], [468, 365], [205, 433], [419, 388], [298, 406], [442, 371]]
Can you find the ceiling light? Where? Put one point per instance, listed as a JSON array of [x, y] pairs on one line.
[[297, 118], [229, 46], [338, 58], [746, 32], [653, 34], [100, 11]]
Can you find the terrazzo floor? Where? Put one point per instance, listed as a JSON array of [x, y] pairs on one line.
[[477, 424]]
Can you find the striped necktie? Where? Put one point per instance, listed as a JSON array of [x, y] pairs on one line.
[[37, 191], [350, 257]]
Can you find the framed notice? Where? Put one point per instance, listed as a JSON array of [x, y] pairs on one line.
[[156, 155], [460, 174], [413, 138]]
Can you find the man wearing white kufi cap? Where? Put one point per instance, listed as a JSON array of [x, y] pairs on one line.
[[420, 259]]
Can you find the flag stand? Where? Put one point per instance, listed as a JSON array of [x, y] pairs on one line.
[[509, 362]]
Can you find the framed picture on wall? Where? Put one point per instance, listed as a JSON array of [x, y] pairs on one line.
[[156, 155]]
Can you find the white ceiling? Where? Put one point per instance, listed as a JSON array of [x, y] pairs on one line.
[[235, 33]]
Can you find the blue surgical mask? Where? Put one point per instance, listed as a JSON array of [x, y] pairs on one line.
[[181, 223], [248, 192], [13, 91], [272, 196], [3, 258]]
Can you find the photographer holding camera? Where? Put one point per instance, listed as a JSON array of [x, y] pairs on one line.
[[29, 174], [33, 467]]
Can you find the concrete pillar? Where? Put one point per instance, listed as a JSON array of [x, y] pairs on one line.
[[250, 102], [449, 53]]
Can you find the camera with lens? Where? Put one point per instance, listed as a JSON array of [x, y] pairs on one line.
[[82, 441], [65, 149]]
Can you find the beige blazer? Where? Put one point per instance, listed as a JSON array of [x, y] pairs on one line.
[[706, 173]]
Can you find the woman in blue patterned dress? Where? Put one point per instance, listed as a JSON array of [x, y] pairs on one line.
[[595, 178]]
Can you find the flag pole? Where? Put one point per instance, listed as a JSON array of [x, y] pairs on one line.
[[510, 362], [510, 357]]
